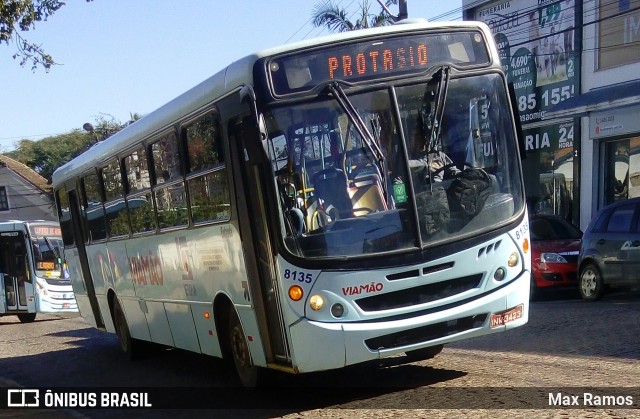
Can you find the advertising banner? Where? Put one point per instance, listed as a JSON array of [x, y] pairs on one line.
[[536, 43]]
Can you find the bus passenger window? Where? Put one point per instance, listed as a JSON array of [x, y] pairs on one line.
[[115, 208], [207, 181], [137, 172], [204, 143], [139, 199], [166, 159], [171, 202]]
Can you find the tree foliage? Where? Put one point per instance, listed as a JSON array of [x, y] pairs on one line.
[[46, 155], [17, 16], [336, 19]]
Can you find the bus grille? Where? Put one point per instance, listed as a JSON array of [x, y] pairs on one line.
[[426, 333], [419, 295]]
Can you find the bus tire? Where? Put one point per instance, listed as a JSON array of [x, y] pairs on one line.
[[249, 375], [26, 317], [591, 283], [424, 353], [130, 346]]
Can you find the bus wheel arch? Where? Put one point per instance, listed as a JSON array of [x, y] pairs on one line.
[[131, 347], [233, 342]]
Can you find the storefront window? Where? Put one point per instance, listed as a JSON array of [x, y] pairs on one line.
[[622, 174], [548, 170]]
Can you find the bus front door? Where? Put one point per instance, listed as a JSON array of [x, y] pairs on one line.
[[253, 215], [79, 232], [17, 288]]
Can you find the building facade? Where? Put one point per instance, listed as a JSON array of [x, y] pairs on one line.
[[576, 72], [539, 43], [24, 194]]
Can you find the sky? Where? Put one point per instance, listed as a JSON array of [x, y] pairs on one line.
[[121, 57]]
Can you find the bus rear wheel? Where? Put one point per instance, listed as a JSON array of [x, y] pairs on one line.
[[249, 375], [130, 346], [26, 317]]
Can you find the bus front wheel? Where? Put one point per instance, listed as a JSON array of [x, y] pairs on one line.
[[129, 345], [249, 374], [26, 317]]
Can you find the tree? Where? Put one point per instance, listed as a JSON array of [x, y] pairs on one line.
[[20, 16], [46, 155], [336, 19]]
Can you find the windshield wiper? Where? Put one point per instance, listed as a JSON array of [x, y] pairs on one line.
[[361, 127], [355, 117], [442, 77]]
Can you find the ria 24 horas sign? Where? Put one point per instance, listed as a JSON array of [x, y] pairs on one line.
[[535, 39]]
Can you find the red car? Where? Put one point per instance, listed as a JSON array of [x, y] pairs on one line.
[[555, 245]]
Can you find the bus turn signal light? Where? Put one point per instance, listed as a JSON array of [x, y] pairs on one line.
[[296, 293]]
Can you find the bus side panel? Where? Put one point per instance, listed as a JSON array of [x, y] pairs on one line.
[[136, 319], [247, 317], [97, 256], [158, 323], [103, 303], [182, 326], [206, 329]]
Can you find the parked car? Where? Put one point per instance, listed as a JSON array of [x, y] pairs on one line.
[[555, 244], [610, 251]]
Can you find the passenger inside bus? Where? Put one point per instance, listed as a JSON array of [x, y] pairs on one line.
[[432, 165]]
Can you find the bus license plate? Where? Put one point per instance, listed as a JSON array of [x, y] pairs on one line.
[[500, 319]]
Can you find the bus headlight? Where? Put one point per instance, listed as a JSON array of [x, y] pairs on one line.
[[513, 260], [316, 302]]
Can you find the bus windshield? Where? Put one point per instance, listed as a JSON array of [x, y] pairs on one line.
[[379, 171], [48, 255]]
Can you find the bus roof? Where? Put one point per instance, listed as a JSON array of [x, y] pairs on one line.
[[235, 75]]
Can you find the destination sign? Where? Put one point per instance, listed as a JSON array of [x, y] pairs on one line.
[[376, 58], [45, 231]]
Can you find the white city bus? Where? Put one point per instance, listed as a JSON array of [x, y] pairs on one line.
[[277, 213], [33, 275]]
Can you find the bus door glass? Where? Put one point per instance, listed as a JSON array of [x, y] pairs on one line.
[[18, 289], [250, 161]]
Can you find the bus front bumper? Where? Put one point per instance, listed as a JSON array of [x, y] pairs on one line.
[[318, 346]]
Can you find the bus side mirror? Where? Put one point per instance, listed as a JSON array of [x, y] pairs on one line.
[[254, 140]]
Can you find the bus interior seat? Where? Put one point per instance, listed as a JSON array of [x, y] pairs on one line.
[[330, 185], [366, 195]]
